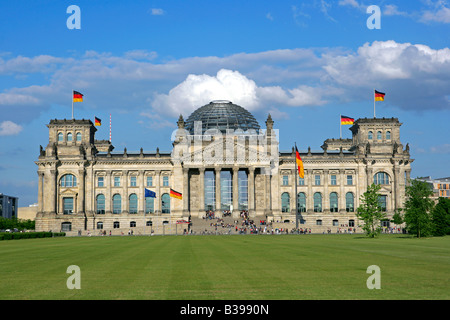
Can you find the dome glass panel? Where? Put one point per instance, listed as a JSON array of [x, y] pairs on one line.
[[222, 115]]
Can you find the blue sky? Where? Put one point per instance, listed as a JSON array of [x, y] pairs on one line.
[[146, 62]]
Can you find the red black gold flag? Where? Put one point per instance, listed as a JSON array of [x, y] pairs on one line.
[[347, 120], [301, 170], [77, 97], [98, 122], [175, 194], [379, 96]]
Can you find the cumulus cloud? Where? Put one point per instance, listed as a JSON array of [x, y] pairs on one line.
[[414, 76], [198, 90], [9, 128]]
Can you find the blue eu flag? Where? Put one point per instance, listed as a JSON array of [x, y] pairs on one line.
[[150, 193]]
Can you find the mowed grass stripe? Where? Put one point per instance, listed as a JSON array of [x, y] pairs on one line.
[[226, 267]]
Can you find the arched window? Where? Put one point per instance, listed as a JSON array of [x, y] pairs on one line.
[[381, 178], [99, 225], [317, 202], [334, 202], [78, 136], [132, 224], [388, 135], [116, 224], [100, 204], [370, 136], [379, 135], [133, 203], [68, 181], [285, 199], [60, 137], [349, 202], [117, 203], [301, 202], [69, 136], [165, 203]]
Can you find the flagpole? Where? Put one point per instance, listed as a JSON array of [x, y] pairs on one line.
[[72, 104], [295, 183], [374, 103], [110, 127], [340, 126]]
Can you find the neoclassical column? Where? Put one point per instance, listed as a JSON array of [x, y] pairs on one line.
[[217, 173], [310, 195], [185, 190], [251, 189], [81, 193], [157, 203], [201, 205], [108, 196], [235, 185], [341, 198], [326, 195], [141, 197], [125, 191], [52, 191], [40, 191]]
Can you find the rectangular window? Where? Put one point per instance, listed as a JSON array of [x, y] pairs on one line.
[[68, 205], [333, 180], [165, 181], [382, 202], [116, 181], [317, 180], [100, 182], [349, 180], [149, 181], [133, 181], [285, 180], [301, 181]]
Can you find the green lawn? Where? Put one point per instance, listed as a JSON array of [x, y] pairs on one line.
[[269, 267]]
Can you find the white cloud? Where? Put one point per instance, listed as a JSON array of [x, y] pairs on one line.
[[198, 90], [442, 15], [157, 12], [392, 10], [413, 75], [9, 128]]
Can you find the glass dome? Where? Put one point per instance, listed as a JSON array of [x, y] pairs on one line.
[[222, 115]]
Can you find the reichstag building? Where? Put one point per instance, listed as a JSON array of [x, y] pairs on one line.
[[223, 162]]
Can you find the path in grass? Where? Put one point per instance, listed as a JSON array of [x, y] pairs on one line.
[[226, 267]]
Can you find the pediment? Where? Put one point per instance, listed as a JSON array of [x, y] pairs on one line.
[[226, 152]]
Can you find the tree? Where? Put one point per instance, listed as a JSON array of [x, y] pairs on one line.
[[418, 206], [441, 217], [397, 218], [370, 211]]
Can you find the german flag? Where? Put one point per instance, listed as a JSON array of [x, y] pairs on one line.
[[175, 194], [98, 122], [301, 170], [347, 120], [77, 97], [379, 96]]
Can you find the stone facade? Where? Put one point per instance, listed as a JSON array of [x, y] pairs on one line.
[[84, 185]]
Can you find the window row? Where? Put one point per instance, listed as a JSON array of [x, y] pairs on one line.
[[69, 137], [378, 178], [317, 202], [67, 226], [379, 135], [318, 180], [149, 205], [69, 180], [318, 199], [132, 181]]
